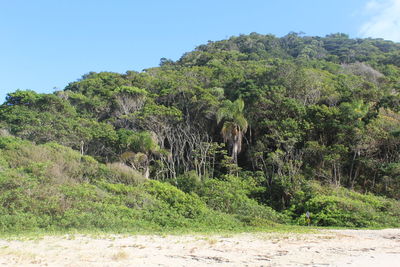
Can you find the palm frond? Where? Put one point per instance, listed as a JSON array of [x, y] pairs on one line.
[[239, 105], [241, 122], [224, 114]]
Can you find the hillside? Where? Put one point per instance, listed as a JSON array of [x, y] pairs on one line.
[[246, 132]]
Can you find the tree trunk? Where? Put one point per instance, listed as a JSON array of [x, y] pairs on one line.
[[147, 172], [235, 151]]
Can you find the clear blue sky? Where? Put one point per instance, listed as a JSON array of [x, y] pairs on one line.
[[49, 43]]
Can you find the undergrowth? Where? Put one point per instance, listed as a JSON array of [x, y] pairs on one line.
[[53, 189]]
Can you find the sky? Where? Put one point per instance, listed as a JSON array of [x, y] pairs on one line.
[[45, 44]]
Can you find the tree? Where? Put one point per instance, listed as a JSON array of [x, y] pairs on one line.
[[144, 145], [235, 124]]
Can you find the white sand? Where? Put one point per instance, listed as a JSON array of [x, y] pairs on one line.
[[327, 248]]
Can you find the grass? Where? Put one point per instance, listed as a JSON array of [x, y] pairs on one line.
[[20, 255], [120, 255], [110, 234], [279, 230]]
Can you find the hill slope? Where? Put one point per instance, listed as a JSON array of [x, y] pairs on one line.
[[254, 119]]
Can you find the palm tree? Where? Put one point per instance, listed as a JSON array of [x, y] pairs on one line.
[[235, 125], [144, 144]]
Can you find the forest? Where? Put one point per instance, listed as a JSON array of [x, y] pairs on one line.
[[244, 133]]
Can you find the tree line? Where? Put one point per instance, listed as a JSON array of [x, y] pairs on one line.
[[284, 111]]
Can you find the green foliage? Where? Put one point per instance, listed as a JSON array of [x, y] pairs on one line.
[[121, 173], [44, 118], [142, 142], [331, 206], [189, 182], [179, 203], [132, 90], [293, 112], [231, 195], [53, 187]]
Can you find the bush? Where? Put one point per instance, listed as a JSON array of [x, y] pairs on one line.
[[231, 196], [121, 173], [329, 206], [188, 182], [186, 205], [53, 187]]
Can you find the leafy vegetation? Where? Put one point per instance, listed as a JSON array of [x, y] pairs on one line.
[[53, 187], [246, 132]]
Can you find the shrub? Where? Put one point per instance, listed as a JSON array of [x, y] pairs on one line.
[[121, 173], [231, 196], [188, 182], [53, 187], [329, 206], [186, 205]]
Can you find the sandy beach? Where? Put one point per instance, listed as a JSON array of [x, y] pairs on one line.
[[325, 248]]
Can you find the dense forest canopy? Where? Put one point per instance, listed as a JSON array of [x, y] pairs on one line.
[[282, 114]]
